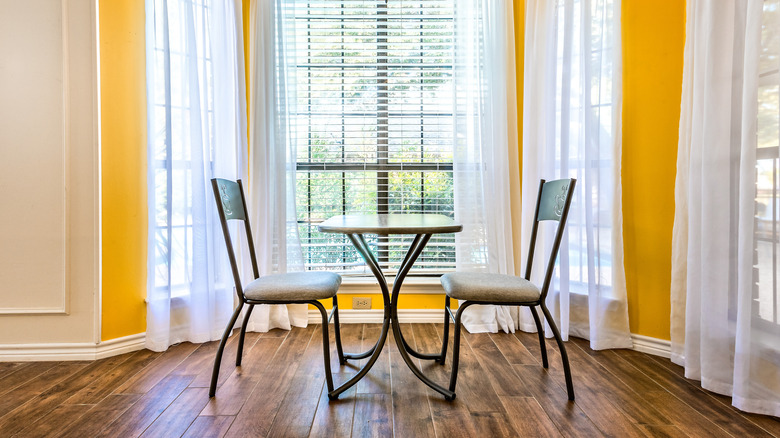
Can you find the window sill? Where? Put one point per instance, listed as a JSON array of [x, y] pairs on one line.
[[412, 285]]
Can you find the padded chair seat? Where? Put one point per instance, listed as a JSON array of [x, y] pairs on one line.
[[496, 288], [294, 286]]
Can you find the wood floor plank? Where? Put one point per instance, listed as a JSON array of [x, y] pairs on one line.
[[10, 367], [334, 417], [452, 419], [179, 415], [567, 416], [297, 410], [473, 382], [684, 417], [99, 388], [531, 342], [279, 391], [695, 397], [602, 411], [528, 418], [411, 411], [503, 378], [373, 416], [662, 431], [612, 407], [138, 417], [455, 418], [22, 394], [62, 416], [209, 427], [201, 361], [102, 414], [52, 397], [377, 381], [766, 422], [258, 412], [512, 349], [492, 424], [610, 361], [232, 395], [13, 377], [155, 371], [593, 380], [351, 341], [428, 337]]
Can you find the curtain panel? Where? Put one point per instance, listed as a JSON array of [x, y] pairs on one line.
[[725, 325], [485, 157], [196, 130], [572, 128], [271, 197]]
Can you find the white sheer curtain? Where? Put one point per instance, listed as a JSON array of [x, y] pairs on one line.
[[196, 130], [572, 128], [725, 325], [272, 157], [485, 158]]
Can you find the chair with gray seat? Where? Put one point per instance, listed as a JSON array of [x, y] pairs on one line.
[[470, 289], [290, 288]]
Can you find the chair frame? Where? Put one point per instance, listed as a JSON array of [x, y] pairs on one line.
[[456, 317], [252, 303]]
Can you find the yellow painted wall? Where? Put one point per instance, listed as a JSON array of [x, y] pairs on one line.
[[123, 143], [653, 37], [653, 40]]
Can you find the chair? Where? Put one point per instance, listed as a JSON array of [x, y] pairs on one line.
[[291, 288], [552, 204]]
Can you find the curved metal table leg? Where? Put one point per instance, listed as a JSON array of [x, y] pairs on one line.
[[414, 251], [391, 317], [362, 247]]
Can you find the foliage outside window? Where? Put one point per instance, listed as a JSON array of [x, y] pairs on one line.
[[374, 123]]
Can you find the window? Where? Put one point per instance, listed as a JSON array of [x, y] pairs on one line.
[[181, 136], [585, 38], [767, 234], [373, 123]]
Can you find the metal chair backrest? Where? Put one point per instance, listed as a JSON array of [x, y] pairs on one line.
[[552, 204], [231, 205]]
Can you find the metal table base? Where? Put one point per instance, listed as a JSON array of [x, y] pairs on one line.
[[390, 318]]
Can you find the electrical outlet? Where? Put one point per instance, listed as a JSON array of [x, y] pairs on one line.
[[361, 303]]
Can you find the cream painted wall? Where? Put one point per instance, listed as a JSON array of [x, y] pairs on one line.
[[49, 174]]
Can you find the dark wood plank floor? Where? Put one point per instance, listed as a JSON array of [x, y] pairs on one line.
[[502, 391]]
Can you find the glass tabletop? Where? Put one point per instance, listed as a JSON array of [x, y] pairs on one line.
[[385, 224]]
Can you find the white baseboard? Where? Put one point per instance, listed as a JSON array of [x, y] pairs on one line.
[[352, 316], [654, 346], [643, 344], [113, 347], [70, 351]]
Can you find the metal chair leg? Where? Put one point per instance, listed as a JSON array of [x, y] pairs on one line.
[[456, 349], [325, 344], [218, 359], [337, 329], [540, 330], [240, 352], [446, 335], [564, 356]]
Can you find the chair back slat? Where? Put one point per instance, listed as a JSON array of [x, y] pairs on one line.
[[553, 199], [534, 229], [231, 204], [229, 196], [556, 198]]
